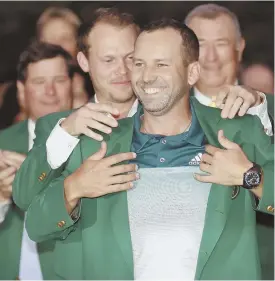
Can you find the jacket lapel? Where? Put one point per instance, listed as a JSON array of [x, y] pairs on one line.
[[21, 143], [218, 202], [114, 208]]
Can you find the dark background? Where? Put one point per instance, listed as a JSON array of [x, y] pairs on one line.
[[17, 24]]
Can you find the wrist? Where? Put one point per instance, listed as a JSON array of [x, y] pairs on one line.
[[70, 193], [252, 178], [63, 124]]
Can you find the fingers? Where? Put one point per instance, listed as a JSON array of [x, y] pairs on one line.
[[124, 178], [91, 134], [100, 153], [225, 142], [208, 159], [118, 158], [204, 178], [210, 149], [7, 173], [8, 180], [13, 158], [102, 118], [120, 169], [228, 104], [235, 107], [244, 108], [205, 167], [14, 155], [221, 97], [103, 107], [120, 187], [93, 124]]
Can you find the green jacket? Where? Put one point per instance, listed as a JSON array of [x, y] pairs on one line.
[[36, 163], [96, 245], [15, 138]]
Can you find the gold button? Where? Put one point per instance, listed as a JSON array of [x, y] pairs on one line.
[[42, 176], [270, 209], [61, 224]]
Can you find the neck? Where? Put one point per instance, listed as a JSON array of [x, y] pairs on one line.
[[174, 122], [123, 108]]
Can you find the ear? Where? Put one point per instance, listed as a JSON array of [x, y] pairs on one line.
[[83, 61], [21, 94], [240, 49], [193, 73]]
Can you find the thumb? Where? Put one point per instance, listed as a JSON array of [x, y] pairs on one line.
[[226, 143], [100, 153]]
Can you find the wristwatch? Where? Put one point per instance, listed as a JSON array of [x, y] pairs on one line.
[[252, 178]]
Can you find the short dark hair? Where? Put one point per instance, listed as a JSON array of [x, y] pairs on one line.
[[38, 51], [110, 16], [190, 41]]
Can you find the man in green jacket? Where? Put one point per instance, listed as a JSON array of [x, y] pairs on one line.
[[44, 86], [109, 31], [107, 233], [221, 50]]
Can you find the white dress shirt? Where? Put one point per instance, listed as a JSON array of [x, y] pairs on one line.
[[259, 110], [29, 268]]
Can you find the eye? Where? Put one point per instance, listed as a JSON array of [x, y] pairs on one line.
[[161, 65], [108, 60], [38, 81], [61, 79], [138, 64]]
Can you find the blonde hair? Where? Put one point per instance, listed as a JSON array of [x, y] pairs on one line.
[[62, 13]]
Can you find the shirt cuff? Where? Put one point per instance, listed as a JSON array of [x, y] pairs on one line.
[[4, 207], [59, 146], [262, 112]]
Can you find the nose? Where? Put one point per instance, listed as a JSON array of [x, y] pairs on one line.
[[211, 53], [148, 75], [50, 88], [122, 68]]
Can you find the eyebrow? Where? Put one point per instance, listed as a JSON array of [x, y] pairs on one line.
[[156, 60], [218, 39]]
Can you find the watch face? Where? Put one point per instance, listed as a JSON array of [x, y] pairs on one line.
[[253, 178]]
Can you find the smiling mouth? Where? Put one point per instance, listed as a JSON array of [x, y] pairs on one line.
[[152, 91], [122, 83]]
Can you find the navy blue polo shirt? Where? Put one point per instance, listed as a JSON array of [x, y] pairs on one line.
[[156, 151]]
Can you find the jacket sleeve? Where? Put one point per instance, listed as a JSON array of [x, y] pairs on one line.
[[47, 217], [264, 156], [35, 173]]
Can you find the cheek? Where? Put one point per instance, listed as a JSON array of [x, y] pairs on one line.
[[64, 91], [34, 93], [103, 73], [226, 55]]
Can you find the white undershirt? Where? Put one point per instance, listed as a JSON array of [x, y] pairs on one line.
[[29, 268], [167, 209]]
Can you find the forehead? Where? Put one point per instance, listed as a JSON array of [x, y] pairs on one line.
[[57, 26], [107, 38], [47, 67], [159, 44], [219, 27]]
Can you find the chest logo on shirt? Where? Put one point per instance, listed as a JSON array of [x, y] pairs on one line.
[[196, 160]]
